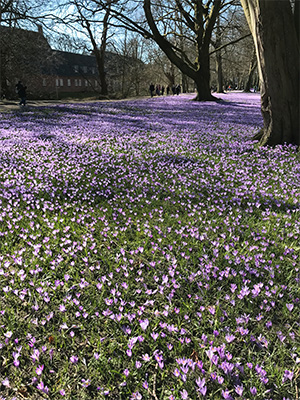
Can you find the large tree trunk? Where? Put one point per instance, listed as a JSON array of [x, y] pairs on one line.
[[202, 78], [273, 28], [102, 75]]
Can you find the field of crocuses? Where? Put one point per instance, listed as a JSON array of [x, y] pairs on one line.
[[148, 250]]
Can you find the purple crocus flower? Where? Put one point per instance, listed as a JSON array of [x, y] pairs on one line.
[[144, 324], [43, 388], [74, 359]]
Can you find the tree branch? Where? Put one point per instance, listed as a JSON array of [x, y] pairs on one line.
[[230, 43], [189, 21]]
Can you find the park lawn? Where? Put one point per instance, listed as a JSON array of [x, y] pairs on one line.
[[148, 250]]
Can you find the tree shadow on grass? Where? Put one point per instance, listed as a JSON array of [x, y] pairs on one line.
[[146, 116], [162, 113]]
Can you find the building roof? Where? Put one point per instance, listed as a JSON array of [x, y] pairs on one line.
[[74, 64], [13, 36], [31, 50]]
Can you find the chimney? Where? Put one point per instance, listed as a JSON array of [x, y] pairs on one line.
[[40, 30]]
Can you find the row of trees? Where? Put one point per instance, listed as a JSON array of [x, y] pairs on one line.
[[190, 34], [274, 26], [171, 26]]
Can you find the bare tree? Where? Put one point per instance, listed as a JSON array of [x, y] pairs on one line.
[[132, 49], [90, 22], [12, 11], [230, 43], [170, 23], [181, 28], [274, 29], [200, 18], [87, 16]]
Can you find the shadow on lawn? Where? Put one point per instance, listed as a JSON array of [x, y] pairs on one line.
[[170, 114], [166, 113]]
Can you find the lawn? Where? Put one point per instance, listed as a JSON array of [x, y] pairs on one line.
[[148, 250]]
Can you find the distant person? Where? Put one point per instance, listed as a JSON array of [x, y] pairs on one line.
[[151, 89], [21, 90], [162, 90], [173, 89], [178, 89], [168, 90]]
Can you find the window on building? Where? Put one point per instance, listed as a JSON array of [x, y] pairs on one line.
[[96, 83], [76, 68], [57, 82], [44, 82], [85, 69], [69, 82], [86, 83], [79, 82], [76, 82], [61, 82]]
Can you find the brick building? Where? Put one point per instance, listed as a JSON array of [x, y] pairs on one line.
[[27, 56]]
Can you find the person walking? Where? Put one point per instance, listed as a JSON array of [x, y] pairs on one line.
[[21, 90], [151, 89], [178, 89]]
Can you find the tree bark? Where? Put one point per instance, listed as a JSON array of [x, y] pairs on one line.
[[202, 77], [252, 68], [273, 28], [220, 83], [219, 59]]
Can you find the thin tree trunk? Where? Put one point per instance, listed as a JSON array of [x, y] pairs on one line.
[[219, 58], [297, 18], [253, 66], [100, 52], [220, 83]]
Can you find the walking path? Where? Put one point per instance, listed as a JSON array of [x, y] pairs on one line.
[[13, 105]]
